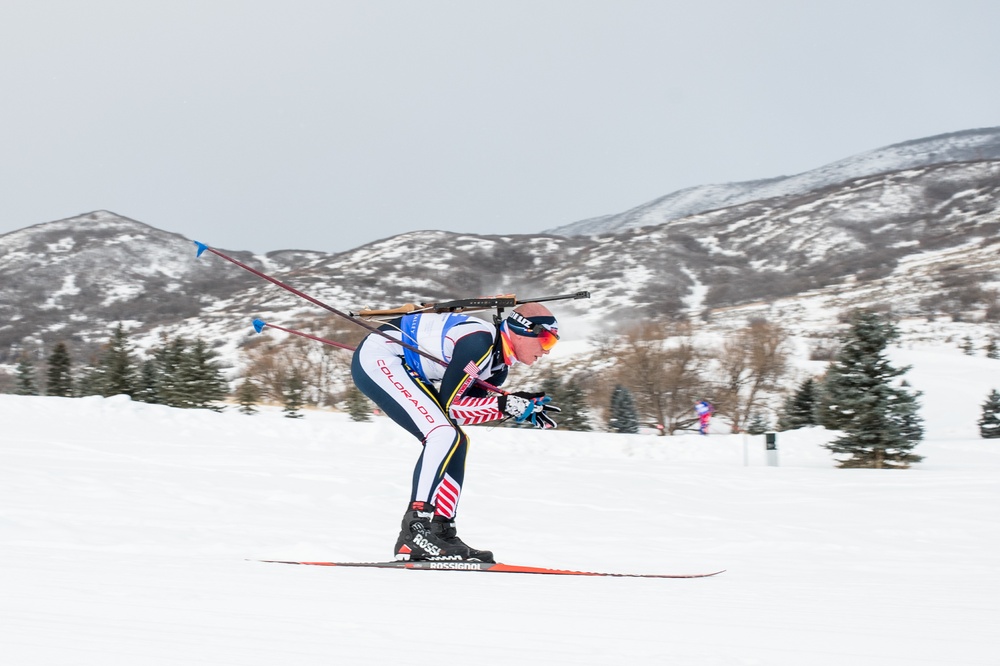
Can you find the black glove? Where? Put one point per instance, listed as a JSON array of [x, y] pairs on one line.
[[533, 407]]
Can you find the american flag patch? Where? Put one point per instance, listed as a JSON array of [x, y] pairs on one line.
[[472, 369]]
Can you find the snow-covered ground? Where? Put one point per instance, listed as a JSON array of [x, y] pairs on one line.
[[129, 534]]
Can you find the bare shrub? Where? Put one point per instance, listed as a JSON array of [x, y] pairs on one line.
[[664, 370], [752, 362]]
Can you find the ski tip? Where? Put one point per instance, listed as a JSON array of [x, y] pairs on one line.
[[201, 248], [259, 324]]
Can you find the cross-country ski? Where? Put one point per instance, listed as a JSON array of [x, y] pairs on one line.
[[493, 567]]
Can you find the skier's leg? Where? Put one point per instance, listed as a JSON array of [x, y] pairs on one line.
[[446, 495], [381, 375], [412, 404]]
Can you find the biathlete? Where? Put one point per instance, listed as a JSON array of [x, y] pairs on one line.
[[432, 402]]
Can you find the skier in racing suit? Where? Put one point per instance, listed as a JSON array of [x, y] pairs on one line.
[[432, 401]]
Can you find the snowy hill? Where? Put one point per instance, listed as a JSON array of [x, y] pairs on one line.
[[920, 242], [965, 146], [129, 534]]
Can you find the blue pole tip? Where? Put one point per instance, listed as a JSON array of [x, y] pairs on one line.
[[201, 248], [259, 324]]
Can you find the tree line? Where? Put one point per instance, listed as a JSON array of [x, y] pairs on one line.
[[648, 376], [656, 379], [177, 373]]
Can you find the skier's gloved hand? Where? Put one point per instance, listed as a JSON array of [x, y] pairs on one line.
[[520, 404], [532, 407]]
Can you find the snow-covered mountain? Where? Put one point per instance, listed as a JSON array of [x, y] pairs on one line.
[[922, 242], [969, 145]]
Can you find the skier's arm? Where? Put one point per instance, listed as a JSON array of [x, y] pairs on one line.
[[466, 403], [471, 411], [470, 353]]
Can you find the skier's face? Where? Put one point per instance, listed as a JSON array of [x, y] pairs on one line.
[[534, 332], [528, 349]]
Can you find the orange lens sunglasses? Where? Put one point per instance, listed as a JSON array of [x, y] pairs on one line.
[[547, 337]]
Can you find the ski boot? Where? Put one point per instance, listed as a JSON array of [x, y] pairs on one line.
[[417, 540], [444, 529]]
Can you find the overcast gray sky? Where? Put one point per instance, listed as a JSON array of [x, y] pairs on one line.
[[324, 125]]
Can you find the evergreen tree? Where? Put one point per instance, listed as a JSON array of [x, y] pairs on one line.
[[967, 347], [622, 417], [573, 403], [879, 419], [991, 349], [168, 385], [758, 424], [799, 409], [89, 382], [201, 377], [26, 384], [117, 367], [185, 380], [989, 423], [247, 395], [146, 388], [59, 376], [358, 406], [183, 374], [293, 395]]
